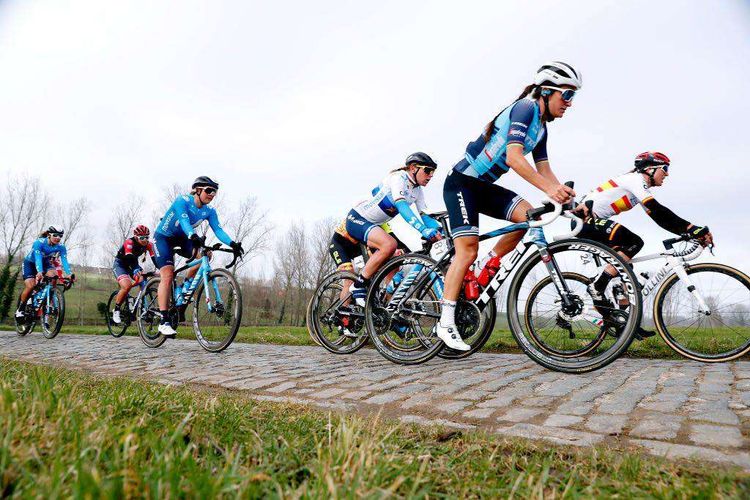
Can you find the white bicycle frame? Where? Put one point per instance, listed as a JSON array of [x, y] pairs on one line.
[[675, 263]]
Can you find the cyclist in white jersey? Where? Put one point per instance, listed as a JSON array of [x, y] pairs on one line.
[[393, 196], [620, 194]]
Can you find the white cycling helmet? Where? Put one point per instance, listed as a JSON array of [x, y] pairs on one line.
[[558, 73]]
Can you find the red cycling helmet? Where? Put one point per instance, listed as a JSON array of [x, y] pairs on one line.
[[650, 159], [141, 230]]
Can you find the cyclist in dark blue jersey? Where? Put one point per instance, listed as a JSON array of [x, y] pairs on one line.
[[39, 262], [469, 189], [176, 230]]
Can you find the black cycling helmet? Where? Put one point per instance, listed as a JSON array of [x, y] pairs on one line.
[[420, 159], [205, 181], [54, 230]]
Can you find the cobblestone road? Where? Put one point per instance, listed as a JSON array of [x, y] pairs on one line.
[[677, 409]]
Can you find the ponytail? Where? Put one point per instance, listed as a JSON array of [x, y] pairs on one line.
[[44, 234], [532, 89]]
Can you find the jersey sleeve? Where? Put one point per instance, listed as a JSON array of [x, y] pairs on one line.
[[36, 249], [150, 249], [397, 186], [539, 153], [419, 202], [127, 247], [213, 221], [180, 211], [638, 187], [405, 211], [64, 259], [521, 116]]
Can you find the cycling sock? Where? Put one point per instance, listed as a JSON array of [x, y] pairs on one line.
[[117, 306], [448, 316], [164, 317], [602, 281], [362, 282]]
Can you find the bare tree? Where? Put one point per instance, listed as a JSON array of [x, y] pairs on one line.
[[321, 263], [125, 217], [249, 224], [292, 272], [74, 216], [171, 193], [24, 209]]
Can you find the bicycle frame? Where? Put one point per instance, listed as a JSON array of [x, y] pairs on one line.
[[185, 296]]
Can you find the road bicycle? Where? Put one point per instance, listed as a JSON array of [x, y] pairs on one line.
[[334, 320], [127, 309], [214, 294], [556, 265], [45, 305], [702, 311]]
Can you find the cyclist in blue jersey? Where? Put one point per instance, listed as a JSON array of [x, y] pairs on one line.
[[176, 230], [39, 262], [393, 196], [469, 188]]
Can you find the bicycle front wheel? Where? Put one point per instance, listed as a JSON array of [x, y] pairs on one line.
[[148, 316], [217, 311], [401, 317], [114, 329], [53, 313], [590, 338], [721, 333]]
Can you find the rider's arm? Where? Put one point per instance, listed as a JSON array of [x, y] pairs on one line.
[[422, 208], [152, 254], [36, 249], [541, 160], [429, 221], [64, 259], [213, 221], [516, 160], [180, 211], [664, 217], [405, 210]]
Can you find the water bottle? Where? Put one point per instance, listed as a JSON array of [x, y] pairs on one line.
[[394, 282], [489, 270], [471, 286], [131, 304]]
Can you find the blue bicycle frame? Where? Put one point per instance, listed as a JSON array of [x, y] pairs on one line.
[[183, 296]]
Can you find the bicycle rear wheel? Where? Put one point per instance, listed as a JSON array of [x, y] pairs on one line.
[[53, 313], [403, 330], [148, 316], [722, 335], [114, 329], [338, 323], [217, 310], [574, 257]]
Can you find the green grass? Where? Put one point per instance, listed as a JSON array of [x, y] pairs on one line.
[[66, 433]]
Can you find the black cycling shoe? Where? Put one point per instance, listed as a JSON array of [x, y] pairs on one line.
[[641, 334]]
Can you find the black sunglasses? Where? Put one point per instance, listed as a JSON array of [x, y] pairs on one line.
[[210, 190], [56, 235], [142, 238], [427, 170]]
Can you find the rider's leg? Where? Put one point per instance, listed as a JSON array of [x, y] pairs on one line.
[[384, 246], [125, 285], [509, 241], [28, 286]]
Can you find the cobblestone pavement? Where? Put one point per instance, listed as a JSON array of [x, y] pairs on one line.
[[676, 409]]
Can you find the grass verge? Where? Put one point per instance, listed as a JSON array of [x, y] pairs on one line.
[[66, 433]]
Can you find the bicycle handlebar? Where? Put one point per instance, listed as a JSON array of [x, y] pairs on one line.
[[216, 247]]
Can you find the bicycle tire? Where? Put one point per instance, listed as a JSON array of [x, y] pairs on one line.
[[116, 330], [623, 340], [329, 319], [671, 339], [148, 320], [51, 331], [237, 299], [538, 287], [373, 312]]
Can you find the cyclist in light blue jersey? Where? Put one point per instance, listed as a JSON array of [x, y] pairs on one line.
[[469, 188], [176, 230], [393, 196], [38, 263]]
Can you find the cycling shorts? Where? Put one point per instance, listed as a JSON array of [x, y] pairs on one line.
[[29, 268], [614, 235], [358, 227], [122, 270], [165, 248], [466, 197]]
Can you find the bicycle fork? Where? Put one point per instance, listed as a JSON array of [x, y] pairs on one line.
[[683, 275]]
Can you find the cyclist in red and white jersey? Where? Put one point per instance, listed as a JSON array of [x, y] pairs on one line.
[[620, 194], [126, 268]]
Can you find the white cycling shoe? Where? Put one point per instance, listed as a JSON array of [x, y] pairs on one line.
[[451, 337], [116, 317], [167, 331], [20, 314]]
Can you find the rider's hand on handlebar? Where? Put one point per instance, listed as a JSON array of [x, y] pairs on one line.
[[431, 234], [582, 211], [237, 247], [560, 193], [39, 277]]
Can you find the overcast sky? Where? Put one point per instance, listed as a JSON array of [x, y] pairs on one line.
[[308, 104]]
